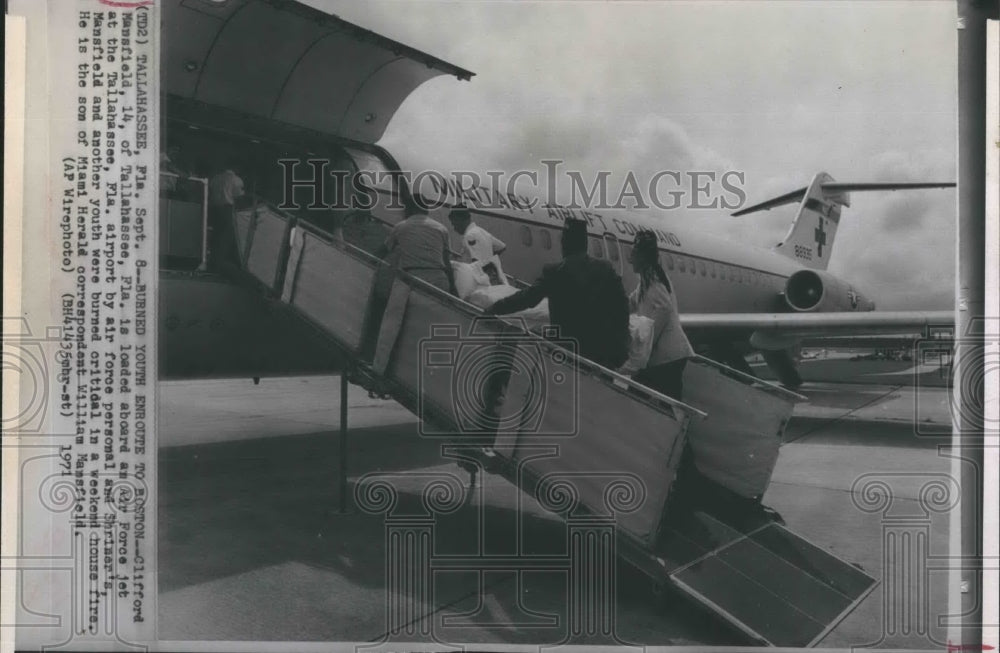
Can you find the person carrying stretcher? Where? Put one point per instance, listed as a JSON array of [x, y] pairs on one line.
[[482, 248], [587, 300], [654, 298], [418, 246]]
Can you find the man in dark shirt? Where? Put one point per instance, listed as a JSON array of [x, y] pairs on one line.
[[587, 300]]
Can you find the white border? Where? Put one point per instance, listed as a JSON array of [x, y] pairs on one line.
[[991, 390], [15, 61]]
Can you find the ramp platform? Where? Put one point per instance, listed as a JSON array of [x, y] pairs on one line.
[[566, 427], [773, 585]]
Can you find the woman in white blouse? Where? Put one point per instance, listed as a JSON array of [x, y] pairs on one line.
[[654, 298]]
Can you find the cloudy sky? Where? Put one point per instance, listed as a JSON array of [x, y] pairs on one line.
[[778, 90]]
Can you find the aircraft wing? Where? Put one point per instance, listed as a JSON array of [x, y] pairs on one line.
[[802, 325]]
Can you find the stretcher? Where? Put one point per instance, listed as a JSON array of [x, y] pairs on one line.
[[564, 429]]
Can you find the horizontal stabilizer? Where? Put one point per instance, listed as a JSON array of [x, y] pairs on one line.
[[788, 198], [809, 240], [832, 190]]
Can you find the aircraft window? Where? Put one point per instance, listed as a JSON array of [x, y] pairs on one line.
[[681, 264], [546, 239], [701, 268], [711, 268], [526, 236], [613, 251], [595, 248], [691, 267], [670, 261]]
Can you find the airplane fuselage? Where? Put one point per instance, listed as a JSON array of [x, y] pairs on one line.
[[710, 274]]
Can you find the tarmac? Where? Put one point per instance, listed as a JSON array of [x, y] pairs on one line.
[[253, 547]]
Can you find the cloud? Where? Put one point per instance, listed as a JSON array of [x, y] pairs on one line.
[[777, 90], [901, 248]]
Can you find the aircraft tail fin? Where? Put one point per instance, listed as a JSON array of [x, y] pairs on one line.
[[810, 238]]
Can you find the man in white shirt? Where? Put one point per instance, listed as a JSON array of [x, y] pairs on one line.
[[481, 247]]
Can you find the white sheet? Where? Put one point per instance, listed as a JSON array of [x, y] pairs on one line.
[[485, 296], [640, 343], [479, 292], [474, 287], [468, 278]]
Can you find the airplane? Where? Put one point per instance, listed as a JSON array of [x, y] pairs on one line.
[[730, 295], [249, 82], [252, 82]]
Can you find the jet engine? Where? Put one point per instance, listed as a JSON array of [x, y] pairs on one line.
[[816, 291]]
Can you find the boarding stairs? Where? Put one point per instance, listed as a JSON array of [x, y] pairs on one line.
[[565, 417]]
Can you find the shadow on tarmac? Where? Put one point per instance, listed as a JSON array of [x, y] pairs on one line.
[[227, 509]]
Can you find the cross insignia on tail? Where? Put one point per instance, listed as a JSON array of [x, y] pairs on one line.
[[820, 235]]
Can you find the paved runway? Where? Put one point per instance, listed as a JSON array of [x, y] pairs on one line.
[[251, 546]]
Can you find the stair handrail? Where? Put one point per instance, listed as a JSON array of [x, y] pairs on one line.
[[619, 381]]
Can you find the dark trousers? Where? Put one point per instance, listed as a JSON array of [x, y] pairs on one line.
[[667, 379], [222, 250], [377, 302]]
